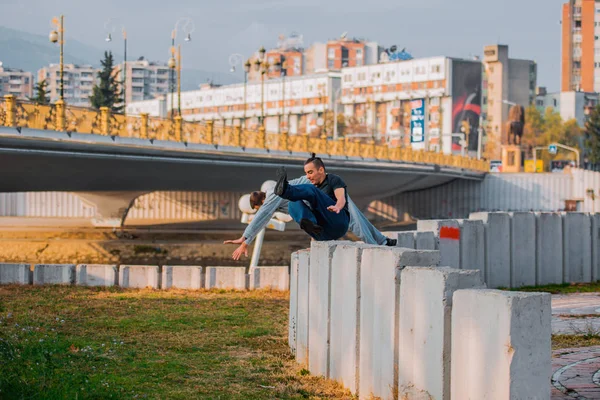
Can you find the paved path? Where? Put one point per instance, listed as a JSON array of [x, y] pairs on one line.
[[576, 373], [576, 313]]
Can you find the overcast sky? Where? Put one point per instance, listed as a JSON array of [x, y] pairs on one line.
[[458, 28]]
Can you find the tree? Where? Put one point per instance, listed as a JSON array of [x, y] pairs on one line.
[[592, 135], [41, 94], [107, 93]]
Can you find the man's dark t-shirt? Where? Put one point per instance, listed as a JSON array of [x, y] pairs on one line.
[[330, 183]]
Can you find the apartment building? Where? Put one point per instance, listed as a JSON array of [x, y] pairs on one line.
[[17, 82], [79, 81], [144, 80]]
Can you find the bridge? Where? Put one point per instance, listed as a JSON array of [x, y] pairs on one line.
[[113, 158]]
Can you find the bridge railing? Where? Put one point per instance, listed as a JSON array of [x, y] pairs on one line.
[[61, 117]]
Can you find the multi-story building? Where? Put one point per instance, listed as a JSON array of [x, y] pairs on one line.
[[17, 82], [144, 79], [507, 81], [414, 102], [297, 104], [580, 46], [79, 81], [570, 105]]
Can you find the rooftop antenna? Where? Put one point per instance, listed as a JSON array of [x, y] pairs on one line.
[[344, 35]]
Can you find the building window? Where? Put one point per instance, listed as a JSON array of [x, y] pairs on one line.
[[331, 53], [359, 53], [330, 63]]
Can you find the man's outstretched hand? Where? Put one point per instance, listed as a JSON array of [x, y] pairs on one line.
[[242, 249]]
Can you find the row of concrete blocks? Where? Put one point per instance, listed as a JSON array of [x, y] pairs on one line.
[[515, 249], [390, 323], [145, 276]]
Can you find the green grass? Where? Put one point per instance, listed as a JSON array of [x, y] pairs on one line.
[[86, 343], [563, 288], [574, 341]]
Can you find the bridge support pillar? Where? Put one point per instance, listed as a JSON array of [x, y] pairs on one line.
[[11, 110], [111, 207]]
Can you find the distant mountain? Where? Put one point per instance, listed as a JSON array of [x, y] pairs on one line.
[[30, 52]]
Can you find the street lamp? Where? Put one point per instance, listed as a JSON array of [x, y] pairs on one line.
[[281, 67], [58, 35], [247, 67], [175, 60], [335, 111], [263, 66], [124, 77]]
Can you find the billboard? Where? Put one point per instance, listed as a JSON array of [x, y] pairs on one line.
[[417, 121], [466, 99]]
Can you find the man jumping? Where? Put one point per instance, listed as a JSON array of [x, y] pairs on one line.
[[269, 203]]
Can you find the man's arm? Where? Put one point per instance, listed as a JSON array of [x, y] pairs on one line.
[[340, 195]]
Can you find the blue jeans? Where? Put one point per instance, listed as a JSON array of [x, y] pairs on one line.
[[334, 225]]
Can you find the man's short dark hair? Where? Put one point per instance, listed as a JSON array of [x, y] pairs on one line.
[[316, 161], [257, 198]]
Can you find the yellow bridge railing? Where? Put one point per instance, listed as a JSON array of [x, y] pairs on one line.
[[60, 117]]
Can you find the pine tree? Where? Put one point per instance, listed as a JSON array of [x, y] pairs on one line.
[[41, 94], [592, 134], [107, 93]]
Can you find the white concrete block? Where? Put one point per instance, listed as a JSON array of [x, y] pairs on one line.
[[472, 245], [345, 314], [425, 241], [447, 232], [189, 277], [379, 306], [497, 248], [225, 278], [139, 276], [405, 239], [424, 329], [96, 275], [275, 278], [303, 301], [577, 247], [595, 247], [15, 273], [522, 249], [549, 248], [500, 345], [293, 310], [319, 294], [54, 274]]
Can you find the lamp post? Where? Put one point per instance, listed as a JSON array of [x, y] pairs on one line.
[[247, 67], [281, 67], [261, 65], [58, 35], [175, 60], [124, 77], [335, 111]]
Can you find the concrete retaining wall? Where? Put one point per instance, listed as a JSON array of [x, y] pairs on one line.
[[182, 277], [139, 276], [54, 274], [96, 275], [15, 274]]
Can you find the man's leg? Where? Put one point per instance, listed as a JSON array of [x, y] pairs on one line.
[[362, 227], [304, 216]]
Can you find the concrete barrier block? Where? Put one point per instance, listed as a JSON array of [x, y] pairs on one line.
[[577, 247], [424, 333], [549, 248], [303, 301], [522, 249], [15, 274], [379, 305], [293, 310], [54, 274], [96, 275], [275, 278], [447, 232], [472, 245], [182, 277], [497, 248], [319, 295], [139, 276], [225, 278], [405, 239], [425, 241], [500, 345], [345, 314], [595, 247]]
